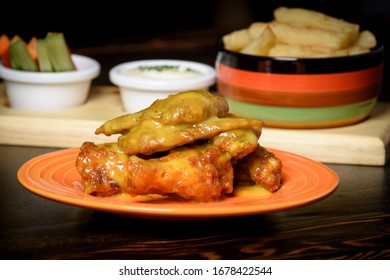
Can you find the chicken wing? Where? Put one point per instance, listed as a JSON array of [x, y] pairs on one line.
[[260, 167], [237, 143], [188, 107], [198, 173], [187, 145], [103, 168], [149, 137]]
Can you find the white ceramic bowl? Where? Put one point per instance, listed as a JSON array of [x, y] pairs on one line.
[[41, 91], [138, 90]]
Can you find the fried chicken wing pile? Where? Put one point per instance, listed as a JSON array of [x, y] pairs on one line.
[[187, 145]]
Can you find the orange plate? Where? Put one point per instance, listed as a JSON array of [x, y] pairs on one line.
[[55, 177]]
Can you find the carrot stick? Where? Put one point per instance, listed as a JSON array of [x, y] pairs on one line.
[[32, 48], [4, 43]]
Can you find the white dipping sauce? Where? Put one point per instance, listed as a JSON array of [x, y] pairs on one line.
[[163, 72]]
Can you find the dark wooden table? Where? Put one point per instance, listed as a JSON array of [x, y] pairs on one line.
[[352, 223]]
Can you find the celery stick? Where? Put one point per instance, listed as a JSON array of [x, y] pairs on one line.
[[20, 57], [58, 52], [43, 57]]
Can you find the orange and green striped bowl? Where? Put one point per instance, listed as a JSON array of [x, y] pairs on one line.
[[300, 92]]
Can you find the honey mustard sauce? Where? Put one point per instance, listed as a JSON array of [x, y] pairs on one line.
[[255, 191]]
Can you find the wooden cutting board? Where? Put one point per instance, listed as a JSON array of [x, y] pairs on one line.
[[365, 143]]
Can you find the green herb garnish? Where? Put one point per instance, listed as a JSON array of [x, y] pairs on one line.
[[161, 68]]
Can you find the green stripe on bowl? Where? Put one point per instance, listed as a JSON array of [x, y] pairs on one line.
[[293, 114]]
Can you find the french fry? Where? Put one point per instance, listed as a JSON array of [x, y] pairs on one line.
[[366, 40], [237, 40], [256, 29], [287, 50], [298, 32], [289, 34], [314, 19], [301, 51], [355, 50], [262, 44]]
